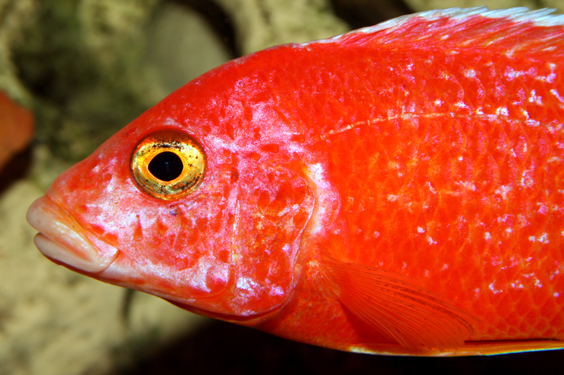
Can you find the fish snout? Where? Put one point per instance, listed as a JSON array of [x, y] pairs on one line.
[[63, 239]]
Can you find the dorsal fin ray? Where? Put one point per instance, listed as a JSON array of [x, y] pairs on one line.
[[511, 29]]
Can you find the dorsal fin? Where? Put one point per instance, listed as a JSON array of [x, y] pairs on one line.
[[506, 29], [395, 306]]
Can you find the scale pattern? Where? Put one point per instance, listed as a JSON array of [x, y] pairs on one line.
[[467, 195]]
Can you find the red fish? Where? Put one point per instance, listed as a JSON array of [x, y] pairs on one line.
[[396, 190], [16, 128]]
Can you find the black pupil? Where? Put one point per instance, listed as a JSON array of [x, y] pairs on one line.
[[166, 166]]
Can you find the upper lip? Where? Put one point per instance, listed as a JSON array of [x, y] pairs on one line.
[[63, 239]]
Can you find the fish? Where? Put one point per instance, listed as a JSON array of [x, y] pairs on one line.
[[398, 189], [16, 128]]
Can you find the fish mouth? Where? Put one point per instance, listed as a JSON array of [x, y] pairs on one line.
[[64, 240]]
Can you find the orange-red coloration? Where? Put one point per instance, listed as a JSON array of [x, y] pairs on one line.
[[395, 190], [16, 128]]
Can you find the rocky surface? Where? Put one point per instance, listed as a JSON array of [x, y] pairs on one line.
[[86, 68], [264, 23], [16, 17]]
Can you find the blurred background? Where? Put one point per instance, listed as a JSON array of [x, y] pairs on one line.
[[73, 72]]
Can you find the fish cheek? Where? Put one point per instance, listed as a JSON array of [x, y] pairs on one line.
[[275, 207]]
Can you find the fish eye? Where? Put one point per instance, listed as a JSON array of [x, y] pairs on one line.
[[168, 164]]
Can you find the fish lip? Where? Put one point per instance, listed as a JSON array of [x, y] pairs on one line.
[[64, 240]]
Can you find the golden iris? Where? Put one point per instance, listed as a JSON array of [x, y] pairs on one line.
[[168, 164]]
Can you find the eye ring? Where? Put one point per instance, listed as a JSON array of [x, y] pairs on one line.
[[168, 164]]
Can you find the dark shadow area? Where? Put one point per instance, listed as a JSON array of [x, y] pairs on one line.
[[17, 167], [218, 20], [362, 13], [222, 348]]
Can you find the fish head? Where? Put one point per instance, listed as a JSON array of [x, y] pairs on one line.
[[220, 235]]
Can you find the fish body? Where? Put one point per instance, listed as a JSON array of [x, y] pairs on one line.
[[396, 190], [16, 128]]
